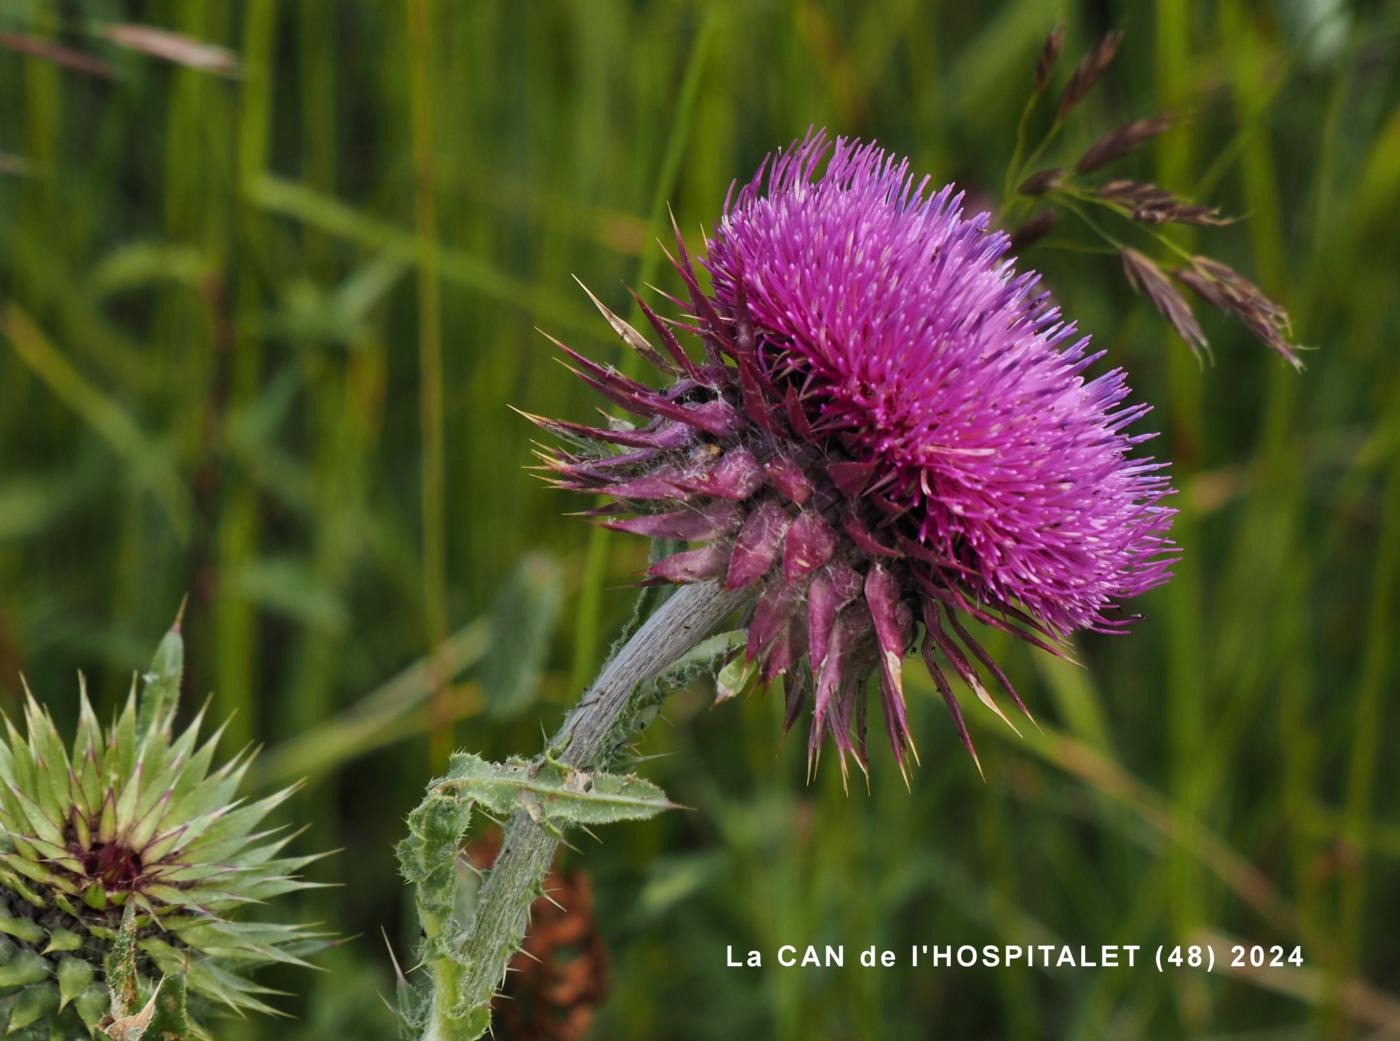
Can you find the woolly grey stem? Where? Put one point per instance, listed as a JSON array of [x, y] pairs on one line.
[[502, 912]]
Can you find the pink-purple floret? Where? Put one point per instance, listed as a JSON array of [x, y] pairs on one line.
[[890, 432], [929, 354]]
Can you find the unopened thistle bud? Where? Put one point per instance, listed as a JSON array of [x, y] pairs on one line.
[[123, 863]]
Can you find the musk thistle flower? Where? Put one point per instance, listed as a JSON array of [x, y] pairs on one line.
[[120, 862], [892, 431]]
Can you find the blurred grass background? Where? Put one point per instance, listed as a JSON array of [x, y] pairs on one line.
[[259, 326]]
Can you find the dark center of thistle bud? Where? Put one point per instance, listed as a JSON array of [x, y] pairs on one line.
[[116, 865]]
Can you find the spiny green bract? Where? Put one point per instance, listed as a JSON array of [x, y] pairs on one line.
[[119, 864]]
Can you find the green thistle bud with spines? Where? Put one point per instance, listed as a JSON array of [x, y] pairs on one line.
[[123, 860]]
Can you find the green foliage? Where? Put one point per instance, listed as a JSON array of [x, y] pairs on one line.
[[522, 625], [170, 1018], [555, 797], [551, 793]]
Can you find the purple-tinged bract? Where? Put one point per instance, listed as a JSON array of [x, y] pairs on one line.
[[892, 431]]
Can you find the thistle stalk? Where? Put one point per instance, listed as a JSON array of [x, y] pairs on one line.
[[514, 882], [869, 448]]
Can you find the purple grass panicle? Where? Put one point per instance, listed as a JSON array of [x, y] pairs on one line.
[[892, 431]]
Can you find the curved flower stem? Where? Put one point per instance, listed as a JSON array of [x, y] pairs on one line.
[[502, 911]]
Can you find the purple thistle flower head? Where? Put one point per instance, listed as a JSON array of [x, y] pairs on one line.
[[892, 431]]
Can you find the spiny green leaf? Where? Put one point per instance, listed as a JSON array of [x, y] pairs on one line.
[[235, 825], [31, 868], [107, 823], [557, 793], [121, 740], [21, 928], [7, 765], [34, 1003], [41, 825], [23, 759], [89, 730], [61, 940], [17, 823], [553, 794], [170, 1021], [196, 773], [163, 791], [206, 978], [88, 750], [74, 977], [161, 694], [92, 1004], [12, 882], [50, 759], [147, 821], [24, 969], [126, 801], [214, 793]]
